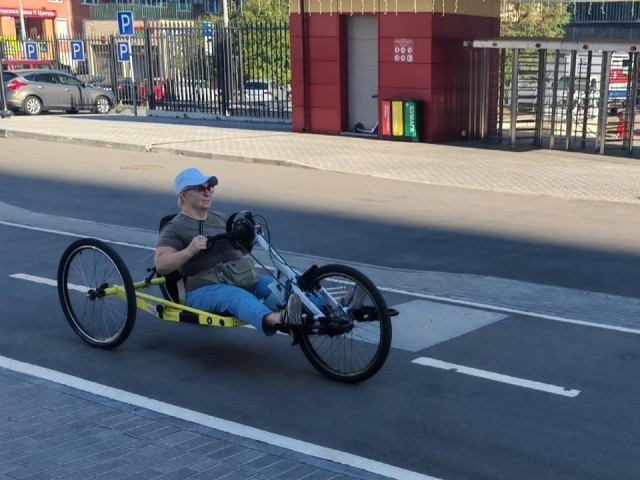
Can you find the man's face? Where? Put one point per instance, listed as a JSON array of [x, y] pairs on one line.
[[199, 196]]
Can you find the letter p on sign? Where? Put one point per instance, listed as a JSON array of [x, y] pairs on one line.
[[77, 50], [125, 23]]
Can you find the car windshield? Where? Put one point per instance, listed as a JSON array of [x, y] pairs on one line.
[[565, 82], [256, 86]]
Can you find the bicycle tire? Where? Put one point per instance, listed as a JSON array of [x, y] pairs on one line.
[[88, 266], [358, 353]]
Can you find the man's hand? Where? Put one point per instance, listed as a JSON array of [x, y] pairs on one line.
[[198, 244]]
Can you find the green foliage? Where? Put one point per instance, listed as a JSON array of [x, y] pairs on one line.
[[265, 39], [259, 29], [266, 52], [261, 43], [532, 20], [250, 11], [541, 20]]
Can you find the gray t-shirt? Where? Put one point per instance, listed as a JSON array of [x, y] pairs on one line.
[[178, 234]]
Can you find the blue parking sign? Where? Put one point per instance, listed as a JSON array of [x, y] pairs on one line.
[[125, 23], [207, 29], [31, 50], [77, 50], [124, 51]]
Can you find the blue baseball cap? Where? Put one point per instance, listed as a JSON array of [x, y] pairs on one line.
[[192, 177]]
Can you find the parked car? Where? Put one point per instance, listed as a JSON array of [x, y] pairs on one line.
[[193, 91], [159, 89], [264, 91], [38, 90], [125, 92]]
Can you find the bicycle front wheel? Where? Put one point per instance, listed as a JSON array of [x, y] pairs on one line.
[[356, 340], [93, 281]]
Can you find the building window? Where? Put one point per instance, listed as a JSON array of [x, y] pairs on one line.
[[212, 6], [90, 2]]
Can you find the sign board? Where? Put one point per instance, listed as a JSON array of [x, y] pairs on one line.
[[125, 23], [31, 50], [618, 81], [124, 51], [77, 50], [207, 29], [403, 50]]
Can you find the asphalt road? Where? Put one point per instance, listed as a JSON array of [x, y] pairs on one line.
[[424, 419]]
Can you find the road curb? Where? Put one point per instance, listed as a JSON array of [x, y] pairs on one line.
[[151, 148], [4, 133]]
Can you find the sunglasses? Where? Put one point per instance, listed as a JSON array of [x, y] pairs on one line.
[[201, 189]]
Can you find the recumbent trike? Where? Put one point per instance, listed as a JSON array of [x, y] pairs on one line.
[[348, 342]]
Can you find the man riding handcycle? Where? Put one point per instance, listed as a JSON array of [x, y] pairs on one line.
[[206, 270]]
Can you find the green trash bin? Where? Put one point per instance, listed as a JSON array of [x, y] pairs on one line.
[[411, 120]]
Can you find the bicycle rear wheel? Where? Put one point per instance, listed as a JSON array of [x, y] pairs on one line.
[[88, 270], [356, 339]]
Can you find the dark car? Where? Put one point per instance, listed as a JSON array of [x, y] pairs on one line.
[[39, 90]]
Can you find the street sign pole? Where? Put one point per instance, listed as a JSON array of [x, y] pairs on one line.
[[134, 93], [125, 27], [5, 112]]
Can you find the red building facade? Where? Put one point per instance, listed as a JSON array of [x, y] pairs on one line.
[[419, 55]]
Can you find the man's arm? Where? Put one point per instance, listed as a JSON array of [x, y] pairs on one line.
[[168, 259]]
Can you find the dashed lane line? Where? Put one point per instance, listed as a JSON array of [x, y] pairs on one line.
[[498, 377]]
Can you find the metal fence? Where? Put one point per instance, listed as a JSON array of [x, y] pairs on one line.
[[605, 12], [237, 70], [557, 98]]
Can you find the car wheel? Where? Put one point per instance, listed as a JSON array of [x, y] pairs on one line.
[[32, 105], [103, 105]]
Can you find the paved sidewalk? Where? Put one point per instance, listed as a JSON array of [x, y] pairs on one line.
[[49, 429], [541, 172]]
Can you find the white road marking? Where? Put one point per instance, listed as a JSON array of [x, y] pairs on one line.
[[520, 382], [47, 281], [220, 424], [75, 235]]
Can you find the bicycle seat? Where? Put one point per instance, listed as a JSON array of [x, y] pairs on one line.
[[171, 288]]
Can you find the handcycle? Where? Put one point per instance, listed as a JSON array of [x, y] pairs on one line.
[[345, 331]]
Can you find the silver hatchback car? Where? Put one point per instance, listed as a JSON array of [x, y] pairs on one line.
[[35, 91]]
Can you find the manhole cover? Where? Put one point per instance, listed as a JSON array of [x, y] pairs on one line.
[[141, 167]]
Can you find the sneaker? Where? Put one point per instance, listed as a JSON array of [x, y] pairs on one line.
[[292, 315], [354, 298]]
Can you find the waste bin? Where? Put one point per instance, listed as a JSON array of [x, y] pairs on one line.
[[400, 119]]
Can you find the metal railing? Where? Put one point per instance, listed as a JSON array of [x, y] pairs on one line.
[[169, 11], [604, 12], [239, 70], [547, 97]]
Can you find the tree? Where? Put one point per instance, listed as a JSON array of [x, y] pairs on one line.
[[531, 20], [264, 40], [543, 20], [251, 11]]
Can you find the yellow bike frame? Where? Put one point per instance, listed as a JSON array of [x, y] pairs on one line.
[[171, 311]]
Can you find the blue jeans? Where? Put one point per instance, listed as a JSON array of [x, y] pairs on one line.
[[244, 304]]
